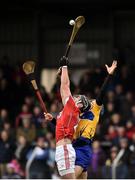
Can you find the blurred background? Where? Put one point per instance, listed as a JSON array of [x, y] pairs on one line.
[[39, 30]]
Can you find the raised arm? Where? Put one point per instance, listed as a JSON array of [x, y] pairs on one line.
[[110, 70], [64, 87], [65, 82]]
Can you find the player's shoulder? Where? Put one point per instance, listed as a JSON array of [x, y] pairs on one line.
[[69, 101], [94, 104]]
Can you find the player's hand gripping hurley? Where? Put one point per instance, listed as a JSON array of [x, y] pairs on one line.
[[28, 68]]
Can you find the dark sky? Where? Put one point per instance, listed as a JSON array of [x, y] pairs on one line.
[[67, 6]]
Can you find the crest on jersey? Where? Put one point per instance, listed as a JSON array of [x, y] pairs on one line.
[[87, 115]]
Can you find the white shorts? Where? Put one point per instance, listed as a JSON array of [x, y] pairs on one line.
[[65, 159]]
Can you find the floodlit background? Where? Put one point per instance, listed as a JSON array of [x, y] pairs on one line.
[[40, 30]]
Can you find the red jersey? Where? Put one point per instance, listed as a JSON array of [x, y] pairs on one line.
[[67, 120]]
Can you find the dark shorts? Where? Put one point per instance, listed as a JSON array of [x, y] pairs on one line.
[[83, 154]]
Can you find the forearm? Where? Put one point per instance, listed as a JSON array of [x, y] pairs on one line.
[[100, 97], [65, 85], [64, 76], [110, 71]]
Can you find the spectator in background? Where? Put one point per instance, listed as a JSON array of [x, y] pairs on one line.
[[119, 92], [109, 128], [121, 133], [107, 169], [132, 158], [125, 158], [25, 113], [7, 148], [37, 116], [108, 112], [111, 134], [21, 151], [119, 96], [98, 160], [27, 129], [3, 117], [121, 169], [54, 109], [39, 169], [7, 127], [43, 130], [110, 109], [126, 104], [116, 120], [29, 101], [132, 143], [51, 160], [49, 137], [10, 172], [110, 96], [130, 129], [133, 113]]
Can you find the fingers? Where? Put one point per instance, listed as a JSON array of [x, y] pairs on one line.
[[48, 116], [114, 63]]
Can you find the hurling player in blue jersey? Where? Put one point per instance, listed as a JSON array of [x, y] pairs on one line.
[[86, 128]]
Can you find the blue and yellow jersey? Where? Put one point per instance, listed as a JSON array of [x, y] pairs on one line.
[[88, 122]]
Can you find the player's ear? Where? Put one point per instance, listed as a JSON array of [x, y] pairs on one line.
[[80, 105]]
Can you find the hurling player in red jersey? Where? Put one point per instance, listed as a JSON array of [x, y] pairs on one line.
[[66, 121]]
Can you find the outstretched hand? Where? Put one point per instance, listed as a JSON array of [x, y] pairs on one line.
[[112, 68]]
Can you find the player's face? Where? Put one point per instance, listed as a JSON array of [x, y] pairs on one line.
[[78, 102]]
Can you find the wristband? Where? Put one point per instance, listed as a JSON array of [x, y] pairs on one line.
[[64, 66]]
